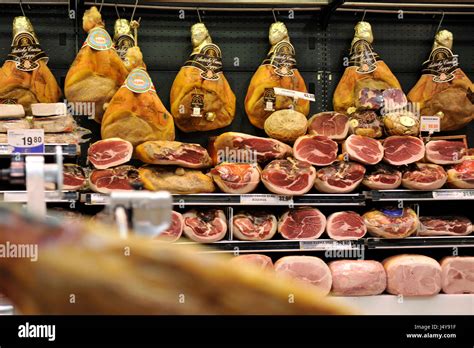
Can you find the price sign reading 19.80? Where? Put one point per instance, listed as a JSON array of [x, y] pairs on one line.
[[26, 140]]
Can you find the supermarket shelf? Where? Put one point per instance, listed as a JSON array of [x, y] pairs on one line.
[[51, 196], [442, 304], [420, 242], [223, 199], [280, 246], [69, 150], [412, 195]]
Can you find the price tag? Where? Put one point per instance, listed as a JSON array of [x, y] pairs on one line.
[[430, 124], [266, 199], [444, 195], [5, 150], [294, 94], [325, 245], [98, 198], [26, 140]]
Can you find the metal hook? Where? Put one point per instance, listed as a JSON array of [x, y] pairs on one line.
[[274, 15], [363, 16], [117, 11], [199, 15], [101, 4], [441, 21], [134, 9], [21, 7]]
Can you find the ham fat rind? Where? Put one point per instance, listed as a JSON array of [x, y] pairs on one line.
[[412, 275], [206, 226]]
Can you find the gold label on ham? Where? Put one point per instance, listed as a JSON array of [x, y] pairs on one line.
[[208, 61], [282, 58], [363, 57], [26, 52], [442, 64], [122, 44]]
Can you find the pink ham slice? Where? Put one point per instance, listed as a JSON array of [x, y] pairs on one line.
[[302, 223], [332, 124], [357, 278], [108, 153], [262, 262], [363, 149], [318, 150], [236, 177], [401, 150], [444, 226], [73, 177], [205, 226], [412, 275], [173, 233], [340, 177], [240, 144], [308, 269], [445, 151], [383, 177], [457, 275], [424, 176], [346, 225], [288, 177], [114, 179], [254, 226]]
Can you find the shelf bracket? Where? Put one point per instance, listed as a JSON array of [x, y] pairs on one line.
[[327, 12]]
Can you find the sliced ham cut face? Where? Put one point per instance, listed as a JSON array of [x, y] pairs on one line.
[[173, 233], [383, 177], [391, 222], [308, 269], [445, 226], [445, 151], [401, 150], [318, 150], [346, 225], [262, 262], [461, 175], [108, 153], [424, 176], [232, 145], [412, 275], [457, 275], [332, 124], [254, 225], [340, 177], [119, 178], [288, 177], [363, 149], [357, 278], [236, 177], [393, 99], [302, 223], [73, 177], [205, 226]]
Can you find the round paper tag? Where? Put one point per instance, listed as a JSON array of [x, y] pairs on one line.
[[99, 39], [407, 121], [354, 123], [138, 81]]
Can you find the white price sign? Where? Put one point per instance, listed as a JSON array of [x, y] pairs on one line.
[[430, 124], [266, 199], [325, 245], [294, 94], [445, 195], [26, 140], [98, 198]]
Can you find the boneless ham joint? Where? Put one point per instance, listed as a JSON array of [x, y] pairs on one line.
[[318, 150], [412, 275], [173, 233], [357, 278], [308, 269], [457, 275], [288, 177], [108, 153], [345, 225], [205, 226], [236, 177], [391, 222], [302, 223], [259, 261], [254, 226]]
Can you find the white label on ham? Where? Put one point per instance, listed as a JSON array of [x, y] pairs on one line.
[[257, 199], [98, 198], [294, 94], [442, 195], [326, 245], [430, 124]]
